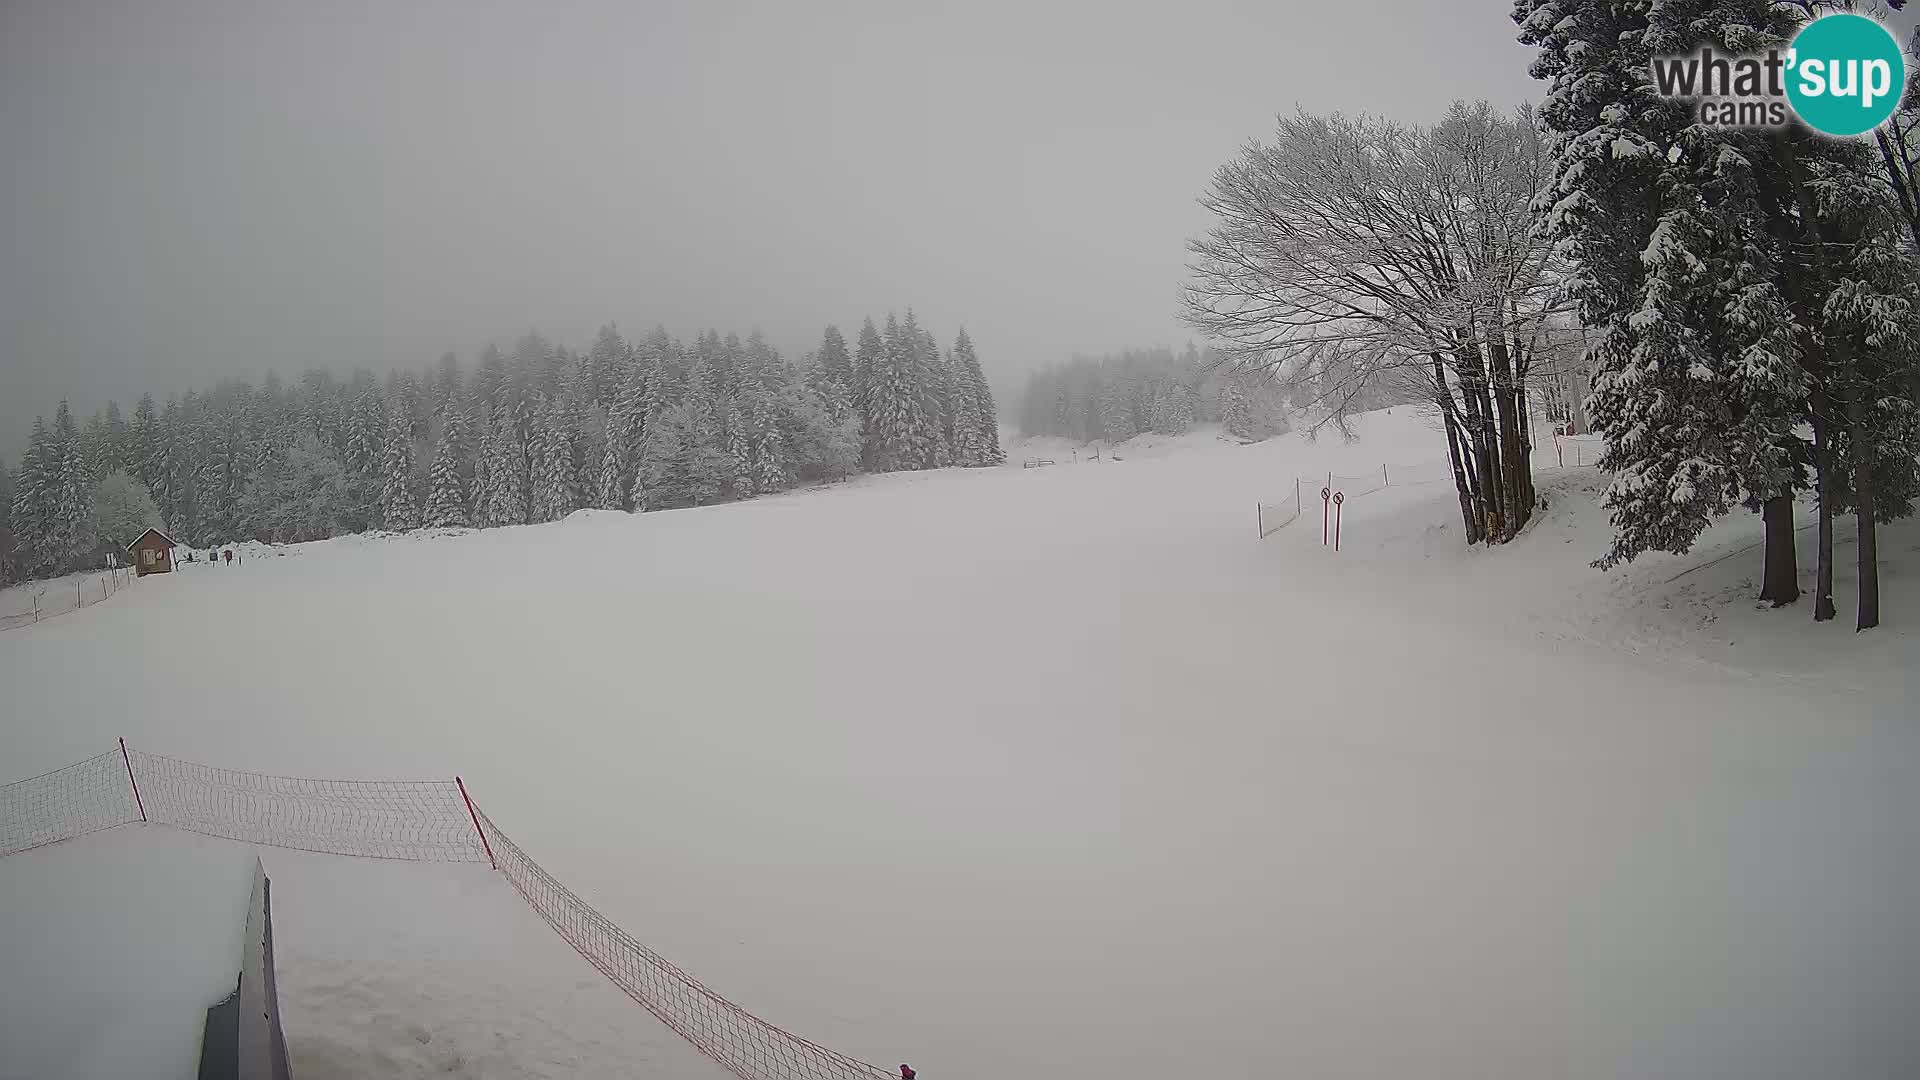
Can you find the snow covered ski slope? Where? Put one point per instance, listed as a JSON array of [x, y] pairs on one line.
[[1055, 772]]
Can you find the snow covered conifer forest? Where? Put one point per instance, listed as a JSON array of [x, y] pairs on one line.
[[521, 438]]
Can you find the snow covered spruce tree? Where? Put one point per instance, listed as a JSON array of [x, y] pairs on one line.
[[831, 375], [446, 488], [896, 423], [626, 423], [1355, 257], [766, 447], [554, 483], [867, 362], [1695, 382], [9, 543], [31, 513], [399, 511]]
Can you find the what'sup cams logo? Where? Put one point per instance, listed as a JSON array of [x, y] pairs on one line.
[[1842, 75]]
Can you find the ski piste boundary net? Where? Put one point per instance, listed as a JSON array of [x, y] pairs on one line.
[[430, 821]]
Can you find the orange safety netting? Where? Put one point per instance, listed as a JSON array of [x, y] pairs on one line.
[[417, 820]]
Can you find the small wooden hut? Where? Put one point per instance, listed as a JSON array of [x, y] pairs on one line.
[[152, 553]]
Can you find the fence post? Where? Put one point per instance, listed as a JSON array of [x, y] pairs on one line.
[[135, 784], [1384, 482], [484, 846]]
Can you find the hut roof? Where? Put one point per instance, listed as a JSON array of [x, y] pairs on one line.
[[168, 540]]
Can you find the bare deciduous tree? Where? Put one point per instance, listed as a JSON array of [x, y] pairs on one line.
[[1353, 256]]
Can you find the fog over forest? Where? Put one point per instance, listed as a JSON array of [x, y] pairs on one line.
[[206, 189]]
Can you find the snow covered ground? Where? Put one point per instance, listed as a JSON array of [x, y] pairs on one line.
[[1060, 772]]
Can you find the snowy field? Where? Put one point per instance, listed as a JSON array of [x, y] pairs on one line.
[[1029, 774]]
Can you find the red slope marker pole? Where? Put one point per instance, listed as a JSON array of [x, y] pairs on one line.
[[484, 846], [135, 784]]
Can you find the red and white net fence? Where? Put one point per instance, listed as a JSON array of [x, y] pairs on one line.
[[416, 820], [1578, 451], [1274, 516], [1364, 484], [82, 798], [1430, 472], [748, 1046]]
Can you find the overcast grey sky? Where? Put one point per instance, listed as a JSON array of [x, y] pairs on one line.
[[198, 188]]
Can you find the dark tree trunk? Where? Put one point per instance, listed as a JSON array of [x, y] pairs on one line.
[[1460, 484], [1823, 608], [1529, 495], [1482, 437], [1462, 473], [1780, 583], [1869, 554], [1512, 492]]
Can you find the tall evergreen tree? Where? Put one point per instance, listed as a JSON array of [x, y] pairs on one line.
[[143, 443], [556, 491], [9, 542], [832, 375], [936, 393], [399, 510], [867, 363], [446, 487], [73, 491], [767, 446], [35, 490], [900, 435], [739, 454], [115, 457], [625, 425], [983, 436], [500, 494]]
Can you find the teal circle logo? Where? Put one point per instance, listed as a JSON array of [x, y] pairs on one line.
[[1845, 74]]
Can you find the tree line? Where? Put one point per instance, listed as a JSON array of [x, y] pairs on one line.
[[522, 437], [1753, 295], [1742, 306], [1114, 397]]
